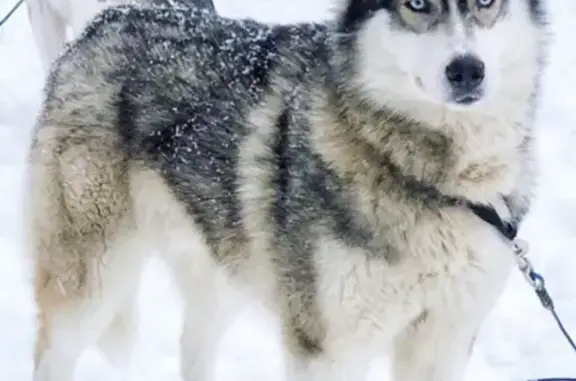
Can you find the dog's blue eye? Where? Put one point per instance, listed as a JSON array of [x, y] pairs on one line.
[[421, 6], [485, 3]]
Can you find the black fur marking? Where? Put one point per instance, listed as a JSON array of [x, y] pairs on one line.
[[538, 11], [463, 7], [201, 170], [309, 345], [359, 11], [294, 260], [126, 116], [282, 163], [304, 183]]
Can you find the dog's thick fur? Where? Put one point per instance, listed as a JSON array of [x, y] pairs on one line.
[[50, 19], [320, 168]]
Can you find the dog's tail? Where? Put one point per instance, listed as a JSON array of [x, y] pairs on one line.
[[77, 175], [80, 223]]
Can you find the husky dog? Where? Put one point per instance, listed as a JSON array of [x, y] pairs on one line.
[[325, 170], [50, 19]]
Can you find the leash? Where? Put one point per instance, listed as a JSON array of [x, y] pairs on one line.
[[534, 279], [11, 12]]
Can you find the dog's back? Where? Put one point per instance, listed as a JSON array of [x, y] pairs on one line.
[[50, 19]]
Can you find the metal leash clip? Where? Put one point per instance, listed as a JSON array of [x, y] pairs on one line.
[[520, 249]]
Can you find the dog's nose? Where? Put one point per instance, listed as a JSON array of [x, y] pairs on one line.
[[465, 72]]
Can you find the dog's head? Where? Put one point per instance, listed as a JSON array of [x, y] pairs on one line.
[[456, 54]]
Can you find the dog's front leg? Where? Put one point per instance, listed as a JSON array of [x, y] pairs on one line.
[[435, 347]]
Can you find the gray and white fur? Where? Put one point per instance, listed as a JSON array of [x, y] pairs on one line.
[[320, 169]]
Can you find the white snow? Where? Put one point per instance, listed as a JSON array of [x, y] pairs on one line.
[[518, 341]]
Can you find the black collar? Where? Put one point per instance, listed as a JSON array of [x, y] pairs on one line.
[[489, 215]]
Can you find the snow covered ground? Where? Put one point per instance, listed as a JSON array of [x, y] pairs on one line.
[[518, 341]]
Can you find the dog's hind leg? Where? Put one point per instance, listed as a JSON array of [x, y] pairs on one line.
[[209, 301], [117, 341], [210, 306], [205, 321]]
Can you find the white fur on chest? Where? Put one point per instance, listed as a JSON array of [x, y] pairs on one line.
[[365, 299]]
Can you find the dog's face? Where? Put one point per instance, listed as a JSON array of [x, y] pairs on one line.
[[463, 54]]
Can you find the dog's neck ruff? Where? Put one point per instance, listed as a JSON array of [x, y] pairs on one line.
[[429, 193]]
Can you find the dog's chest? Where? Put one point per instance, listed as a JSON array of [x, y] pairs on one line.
[[443, 263]]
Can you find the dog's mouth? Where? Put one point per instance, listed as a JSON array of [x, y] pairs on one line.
[[461, 98], [466, 98]]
